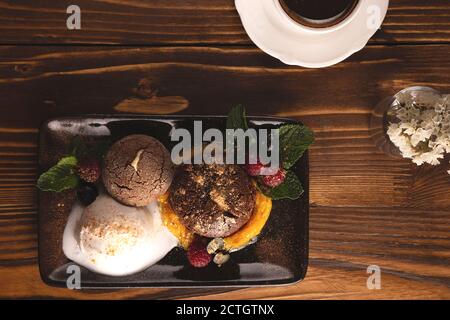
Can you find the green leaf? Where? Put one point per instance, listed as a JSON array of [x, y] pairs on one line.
[[294, 141], [70, 161], [236, 118], [291, 188], [60, 177]]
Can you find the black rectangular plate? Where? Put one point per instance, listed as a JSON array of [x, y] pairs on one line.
[[280, 256]]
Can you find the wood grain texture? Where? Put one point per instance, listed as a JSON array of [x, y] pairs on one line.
[[410, 246], [186, 22], [367, 208]]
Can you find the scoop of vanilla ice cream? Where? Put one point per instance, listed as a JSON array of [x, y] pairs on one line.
[[112, 239], [109, 228]]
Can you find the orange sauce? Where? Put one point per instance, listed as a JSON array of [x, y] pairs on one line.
[[261, 212], [238, 240], [173, 222]]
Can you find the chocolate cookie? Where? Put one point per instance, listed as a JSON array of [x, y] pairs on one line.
[[137, 170], [213, 200]]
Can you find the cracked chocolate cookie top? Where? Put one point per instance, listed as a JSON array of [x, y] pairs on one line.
[[137, 169], [212, 200]]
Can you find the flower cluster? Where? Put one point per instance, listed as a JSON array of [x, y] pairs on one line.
[[420, 126]]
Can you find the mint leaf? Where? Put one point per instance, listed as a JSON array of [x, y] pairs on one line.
[[69, 160], [291, 188], [294, 141], [60, 177], [236, 118]]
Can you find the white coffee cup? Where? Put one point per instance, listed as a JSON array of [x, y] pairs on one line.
[[274, 31]]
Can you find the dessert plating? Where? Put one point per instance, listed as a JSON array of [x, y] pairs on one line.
[[134, 206]]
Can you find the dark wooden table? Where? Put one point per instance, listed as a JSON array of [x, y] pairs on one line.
[[193, 57]]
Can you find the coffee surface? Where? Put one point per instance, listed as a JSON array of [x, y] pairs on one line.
[[319, 10]]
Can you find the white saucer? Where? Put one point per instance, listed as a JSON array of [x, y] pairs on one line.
[[274, 32]]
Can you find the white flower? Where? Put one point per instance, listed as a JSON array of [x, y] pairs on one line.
[[421, 126]]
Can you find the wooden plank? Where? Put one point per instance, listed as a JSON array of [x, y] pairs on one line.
[[367, 208], [186, 22], [336, 102], [410, 246]]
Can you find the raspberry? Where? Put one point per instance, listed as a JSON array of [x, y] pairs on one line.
[[88, 169], [275, 180], [197, 254], [254, 169]]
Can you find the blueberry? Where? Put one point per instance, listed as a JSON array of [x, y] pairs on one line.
[[87, 193]]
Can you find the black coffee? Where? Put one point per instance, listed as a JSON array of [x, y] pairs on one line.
[[319, 13]]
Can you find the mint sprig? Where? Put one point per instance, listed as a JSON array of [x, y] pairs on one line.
[[63, 175], [291, 188], [60, 177], [295, 139]]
